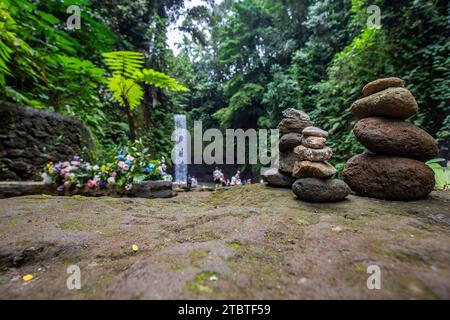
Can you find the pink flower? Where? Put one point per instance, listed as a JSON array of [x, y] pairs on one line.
[[75, 163], [113, 174], [121, 164], [130, 157], [67, 184], [62, 173], [125, 167], [91, 184], [65, 164]]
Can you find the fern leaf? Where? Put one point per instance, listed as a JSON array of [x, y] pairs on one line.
[[160, 80], [124, 63], [126, 89]]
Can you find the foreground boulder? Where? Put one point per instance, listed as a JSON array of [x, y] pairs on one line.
[[382, 84], [396, 138], [391, 178], [275, 178], [397, 103], [320, 190]]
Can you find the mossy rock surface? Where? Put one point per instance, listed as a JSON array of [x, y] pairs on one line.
[[247, 242]]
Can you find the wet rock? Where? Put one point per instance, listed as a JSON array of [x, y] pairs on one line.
[[397, 138], [295, 114], [288, 125], [315, 132], [304, 153], [320, 190], [313, 142], [289, 141], [303, 169], [275, 178], [287, 161], [382, 84], [396, 103], [386, 177]]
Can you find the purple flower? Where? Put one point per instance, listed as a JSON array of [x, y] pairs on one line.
[[60, 188], [102, 184], [76, 158], [120, 157]]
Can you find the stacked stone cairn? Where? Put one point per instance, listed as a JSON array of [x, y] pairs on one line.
[[396, 170], [291, 126], [315, 183], [303, 155]]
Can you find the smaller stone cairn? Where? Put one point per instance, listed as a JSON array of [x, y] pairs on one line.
[[395, 171], [315, 183], [291, 126]]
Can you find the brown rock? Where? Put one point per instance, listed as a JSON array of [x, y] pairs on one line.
[[320, 190], [391, 178], [304, 153], [303, 169], [278, 179], [313, 142], [315, 132], [382, 84], [287, 161], [295, 114], [288, 125], [289, 141], [396, 138], [396, 103]]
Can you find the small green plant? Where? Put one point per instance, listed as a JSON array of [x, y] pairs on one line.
[[441, 174]]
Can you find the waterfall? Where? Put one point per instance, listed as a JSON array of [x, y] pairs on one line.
[[180, 170]]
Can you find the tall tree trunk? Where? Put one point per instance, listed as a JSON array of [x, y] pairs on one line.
[[151, 98], [146, 108], [130, 120]]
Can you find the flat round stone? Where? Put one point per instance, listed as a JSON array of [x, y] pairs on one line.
[[313, 142], [289, 141], [288, 125], [397, 103], [320, 190], [278, 179], [382, 84], [395, 138], [304, 169], [315, 132], [295, 114], [386, 177], [304, 153]]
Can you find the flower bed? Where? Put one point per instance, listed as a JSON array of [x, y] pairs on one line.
[[129, 168]]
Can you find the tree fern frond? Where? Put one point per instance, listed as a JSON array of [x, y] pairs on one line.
[[159, 79], [124, 63], [126, 89]]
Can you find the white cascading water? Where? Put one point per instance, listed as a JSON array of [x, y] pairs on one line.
[[180, 170]]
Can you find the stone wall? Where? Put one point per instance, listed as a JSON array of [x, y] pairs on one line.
[[29, 138]]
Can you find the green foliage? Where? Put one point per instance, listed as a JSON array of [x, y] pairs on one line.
[[441, 174], [124, 63]]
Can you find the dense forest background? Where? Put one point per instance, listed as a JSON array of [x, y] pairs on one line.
[[243, 62]]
